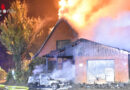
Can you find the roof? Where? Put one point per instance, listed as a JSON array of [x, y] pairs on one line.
[[63, 52], [44, 43]]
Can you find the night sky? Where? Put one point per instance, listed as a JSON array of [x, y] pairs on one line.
[[4, 4]]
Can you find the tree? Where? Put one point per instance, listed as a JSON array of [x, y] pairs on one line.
[[17, 32]]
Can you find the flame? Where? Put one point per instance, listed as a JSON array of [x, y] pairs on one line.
[[62, 3], [81, 13], [68, 9], [75, 11], [104, 21]]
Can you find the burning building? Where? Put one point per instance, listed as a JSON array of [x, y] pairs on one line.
[[94, 62]]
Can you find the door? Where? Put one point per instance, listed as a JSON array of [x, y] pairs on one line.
[[100, 71]]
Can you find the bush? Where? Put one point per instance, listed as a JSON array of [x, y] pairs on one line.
[[3, 74]]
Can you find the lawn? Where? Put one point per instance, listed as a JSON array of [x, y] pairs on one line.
[[13, 87]]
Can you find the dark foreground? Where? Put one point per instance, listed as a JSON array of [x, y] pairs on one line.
[[112, 86]]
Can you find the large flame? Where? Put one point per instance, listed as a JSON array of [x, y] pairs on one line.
[[83, 12], [100, 20], [73, 11]]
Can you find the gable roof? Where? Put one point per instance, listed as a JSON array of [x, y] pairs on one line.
[[44, 43]]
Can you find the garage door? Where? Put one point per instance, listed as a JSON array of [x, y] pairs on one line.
[[100, 71]]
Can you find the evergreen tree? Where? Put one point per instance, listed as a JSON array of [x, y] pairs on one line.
[[17, 32]]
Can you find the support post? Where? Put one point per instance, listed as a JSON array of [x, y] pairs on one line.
[[62, 63], [56, 62], [46, 65]]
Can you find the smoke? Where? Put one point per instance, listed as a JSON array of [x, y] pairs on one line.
[[67, 72], [110, 31], [38, 69], [114, 32]]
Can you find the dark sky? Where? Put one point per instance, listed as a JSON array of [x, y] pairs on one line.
[[6, 4], [42, 8]]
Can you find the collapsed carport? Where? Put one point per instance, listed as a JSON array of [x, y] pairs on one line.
[[94, 62]]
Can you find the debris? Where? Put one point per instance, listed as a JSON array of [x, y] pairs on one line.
[[104, 86]]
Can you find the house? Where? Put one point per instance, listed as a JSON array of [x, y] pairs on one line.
[[94, 62]]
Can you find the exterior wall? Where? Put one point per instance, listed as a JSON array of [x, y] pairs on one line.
[[120, 58], [129, 64], [62, 32], [121, 68]]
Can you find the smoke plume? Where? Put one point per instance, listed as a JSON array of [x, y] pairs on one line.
[[38, 69], [67, 72], [114, 32]]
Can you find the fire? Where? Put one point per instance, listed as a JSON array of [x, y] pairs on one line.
[[81, 13], [68, 9], [62, 3], [76, 11], [104, 21]]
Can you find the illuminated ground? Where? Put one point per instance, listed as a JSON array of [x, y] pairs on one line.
[[3, 87]]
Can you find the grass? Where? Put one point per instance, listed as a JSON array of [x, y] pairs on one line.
[[2, 86], [13, 87]]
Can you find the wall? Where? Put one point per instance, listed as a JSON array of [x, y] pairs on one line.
[[99, 52]]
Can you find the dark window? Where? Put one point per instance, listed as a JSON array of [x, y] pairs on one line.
[[61, 43], [51, 65]]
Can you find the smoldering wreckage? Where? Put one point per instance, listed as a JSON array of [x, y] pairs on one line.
[[85, 63]]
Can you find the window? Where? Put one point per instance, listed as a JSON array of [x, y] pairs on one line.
[[61, 43]]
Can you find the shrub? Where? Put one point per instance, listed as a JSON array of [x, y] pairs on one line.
[[3, 74]]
